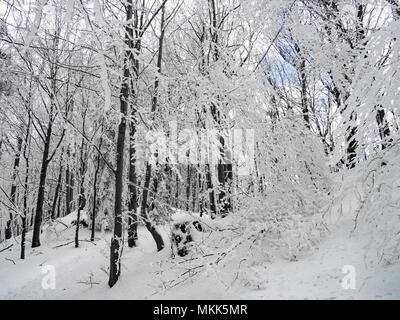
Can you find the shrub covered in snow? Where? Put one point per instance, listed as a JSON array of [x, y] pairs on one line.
[[370, 195]]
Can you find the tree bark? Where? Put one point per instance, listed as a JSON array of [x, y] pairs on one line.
[[13, 194], [144, 206], [42, 182], [383, 126], [134, 42], [132, 205], [116, 241], [26, 185], [81, 195], [96, 173], [57, 191], [69, 186]]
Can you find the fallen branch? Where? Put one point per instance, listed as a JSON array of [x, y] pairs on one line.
[[65, 225], [40, 265], [10, 260], [91, 283], [65, 244], [6, 248], [89, 242]]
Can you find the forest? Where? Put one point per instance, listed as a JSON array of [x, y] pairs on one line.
[[211, 148]]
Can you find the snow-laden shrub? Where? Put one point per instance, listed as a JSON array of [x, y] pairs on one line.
[[370, 195], [294, 187], [285, 230], [278, 216]]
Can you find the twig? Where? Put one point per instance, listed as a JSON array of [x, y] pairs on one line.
[[65, 244], [88, 282], [58, 221], [6, 248], [89, 242], [40, 265], [10, 260]]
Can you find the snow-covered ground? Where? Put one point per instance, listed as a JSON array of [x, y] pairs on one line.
[[81, 273]]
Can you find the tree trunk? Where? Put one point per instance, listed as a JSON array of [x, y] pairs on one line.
[[96, 173], [132, 205], [13, 194], [69, 186], [194, 190], [143, 211], [116, 241], [67, 193], [26, 185], [144, 207], [383, 126], [188, 184], [115, 254], [57, 191], [81, 195], [304, 102], [352, 143], [213, 206], [42, 182], [25, 211]]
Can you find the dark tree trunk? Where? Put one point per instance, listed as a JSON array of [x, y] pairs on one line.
[[176, 190], [168, 177], [81, 195], [383, 126], [210, 190], [144, 206], [25, 211], [115, 254], [116, 241], [221, 174], [304, 102], [96, 173], [42, 182], [221, 178], [154, 192], [200, 176], [26, 185], [67, 193], [58, 215], [57, 191], [23, 236], [13, 194], [132, 205], [352, 144], [143, 211], [189, 172], [134, 42], [228, 180], [69, 186], [194, 189]]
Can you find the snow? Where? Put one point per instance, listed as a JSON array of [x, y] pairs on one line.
[[320, 275], [305, 220], [70, 219], [180, 216], [39, 7], [81, 272]]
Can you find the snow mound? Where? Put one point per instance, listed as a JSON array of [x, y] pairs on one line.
[[70, 219], [181, 216]]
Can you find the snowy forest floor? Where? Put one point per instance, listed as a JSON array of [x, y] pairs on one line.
[[81, 273]]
